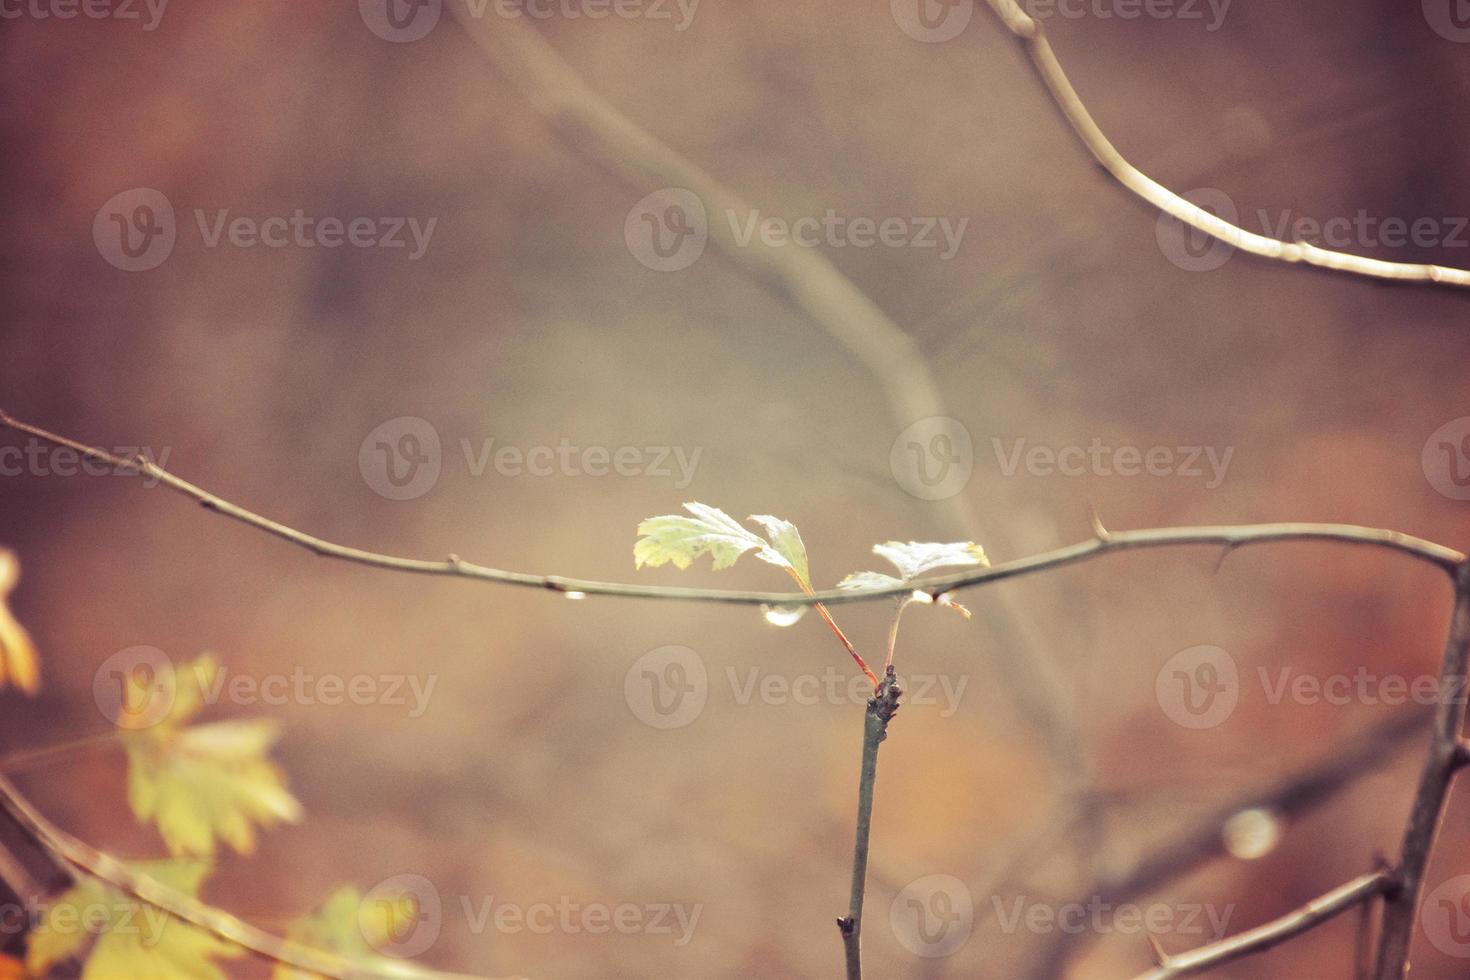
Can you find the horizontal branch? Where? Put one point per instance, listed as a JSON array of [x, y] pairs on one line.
[[1103, 542], [1263, 937], [1028, 30]]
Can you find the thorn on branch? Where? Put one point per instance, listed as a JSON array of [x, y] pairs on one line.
[[1161, 958], [844, 925], [1098, 530], [1224, 553]]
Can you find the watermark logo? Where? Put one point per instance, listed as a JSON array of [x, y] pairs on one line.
[[932, 21], [1198, 688], [933, 459], [135, 230], [402, 458], [1450, 19], [653, 10], [1189, 248], [834, 230], [1101, 917], [667, 688], [1132, 10], [91, 9], [404, 916], [1205, 463], [667, 230], [1446, 459], [38, 458], [401, 916], [1445, 917], [39, 918], [933, 916], [1195, 251], [400, 21], [135, 688]]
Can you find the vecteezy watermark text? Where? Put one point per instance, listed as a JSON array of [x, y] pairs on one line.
[[1101, 917], [668, 230], [402, 916], [124, 10], [403, 458], [136, 230], [403, 21], [668, 687], [37, 458], [1099, 459], [135, 688]]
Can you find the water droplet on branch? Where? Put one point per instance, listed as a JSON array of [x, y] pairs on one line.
[[784, 615]]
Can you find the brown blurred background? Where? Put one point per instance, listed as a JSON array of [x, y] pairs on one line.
[[527, 319]]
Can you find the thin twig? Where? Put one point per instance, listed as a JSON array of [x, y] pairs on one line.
[[1445, 758], [152, 892], [1185, 848], [1233, 537], [1356, 892], [23, 759], [881, 708], [1033, 38]]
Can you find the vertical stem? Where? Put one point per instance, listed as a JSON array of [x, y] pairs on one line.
[[1401, 905], [881, 708]]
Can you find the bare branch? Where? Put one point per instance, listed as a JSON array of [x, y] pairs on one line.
[[881, 708], [1445, 558], [1029, 31], [1273, 933], [1185, 848], [1445, 758]]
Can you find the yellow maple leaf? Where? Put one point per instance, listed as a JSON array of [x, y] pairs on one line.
[[119, 936], [18, 664], [204, 783]]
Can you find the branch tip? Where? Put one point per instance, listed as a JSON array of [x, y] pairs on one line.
[[1161, 958]]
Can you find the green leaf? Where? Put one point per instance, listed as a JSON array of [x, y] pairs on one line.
[[785, 541], [915, 558], [333, 928], [868, 581], [132, 939], [679, 540], [208, 782]]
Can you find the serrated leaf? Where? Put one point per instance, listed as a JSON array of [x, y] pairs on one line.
[[913, 560], [916, 558], [132, 939], [866, 581], [19, 664], [786, 541], [204, 783], [678, 540]]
